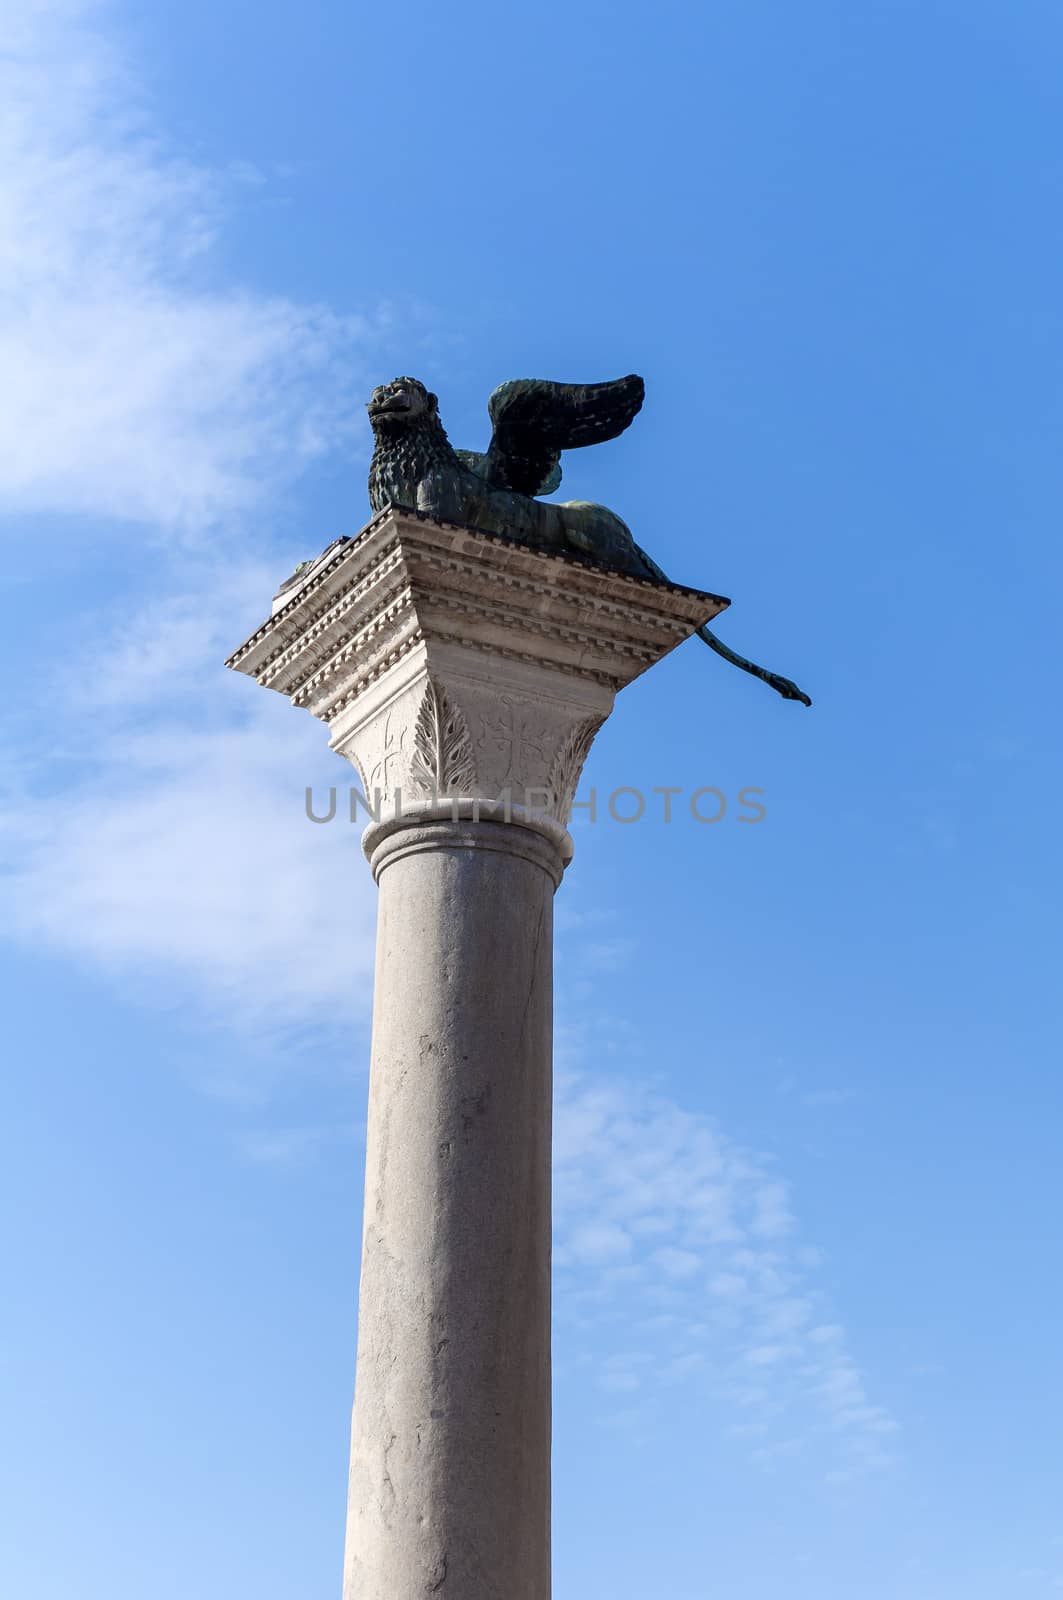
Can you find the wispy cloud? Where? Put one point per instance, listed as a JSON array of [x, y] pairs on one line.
[[135, 387], [140, 387], [184, 850], [680, 1263], [187, 854]]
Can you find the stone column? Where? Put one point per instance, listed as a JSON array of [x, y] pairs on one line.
[[465, 677]]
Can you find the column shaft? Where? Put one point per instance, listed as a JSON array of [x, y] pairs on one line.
[[450, 1455]]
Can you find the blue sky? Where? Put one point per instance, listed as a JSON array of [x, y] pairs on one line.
[[808, 1197]]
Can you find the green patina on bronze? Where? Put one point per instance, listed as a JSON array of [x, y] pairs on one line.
[[533, 421]]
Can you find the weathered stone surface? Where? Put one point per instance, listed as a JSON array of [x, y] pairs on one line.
[[450, 1444]]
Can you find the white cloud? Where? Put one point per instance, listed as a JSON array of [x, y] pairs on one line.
[[598, 1242], [677, 1263], [727, 1299], [189, 855], [183, 851], [729, 1285], [135, 387]]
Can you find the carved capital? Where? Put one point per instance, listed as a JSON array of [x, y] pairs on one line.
[[451, 663]]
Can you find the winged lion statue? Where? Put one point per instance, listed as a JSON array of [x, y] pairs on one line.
[[533, 421]]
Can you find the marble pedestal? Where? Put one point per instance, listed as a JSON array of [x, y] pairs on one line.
[[465, 677]]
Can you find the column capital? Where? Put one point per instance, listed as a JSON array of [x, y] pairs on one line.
[[449, 662]]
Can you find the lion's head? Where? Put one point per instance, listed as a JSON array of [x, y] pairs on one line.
[[400, 403]]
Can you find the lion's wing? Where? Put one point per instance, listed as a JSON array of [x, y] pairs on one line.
[[534, 420]]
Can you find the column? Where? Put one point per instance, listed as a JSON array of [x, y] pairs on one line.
[[464, 677], [450, 1452]]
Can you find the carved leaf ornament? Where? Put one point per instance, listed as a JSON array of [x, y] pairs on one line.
[[567, 766], [442, 759]]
